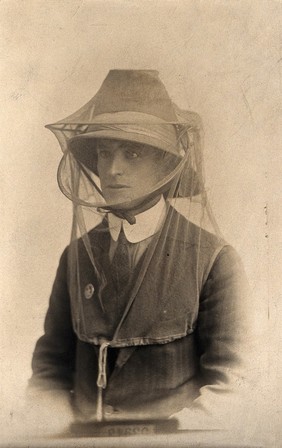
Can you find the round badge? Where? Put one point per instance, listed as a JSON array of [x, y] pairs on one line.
[[88, 291]]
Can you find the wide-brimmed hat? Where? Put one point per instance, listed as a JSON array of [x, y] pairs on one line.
[[131, 105]]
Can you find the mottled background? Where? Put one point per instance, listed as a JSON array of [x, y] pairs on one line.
[[219, 58]]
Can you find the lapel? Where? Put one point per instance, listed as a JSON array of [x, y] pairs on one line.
[[100, 238]]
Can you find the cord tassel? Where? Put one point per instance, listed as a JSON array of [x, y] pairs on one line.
[[102, 378]]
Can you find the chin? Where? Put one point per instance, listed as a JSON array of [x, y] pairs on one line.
[[118, 198], [124, 201]]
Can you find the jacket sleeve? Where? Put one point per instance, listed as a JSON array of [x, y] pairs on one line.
[[222, 339], [222, 318], [222, 335], [53, 359]]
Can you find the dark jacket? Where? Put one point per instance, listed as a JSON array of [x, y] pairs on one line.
[[181, 334]]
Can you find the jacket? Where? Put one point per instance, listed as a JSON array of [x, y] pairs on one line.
[[173, 349]]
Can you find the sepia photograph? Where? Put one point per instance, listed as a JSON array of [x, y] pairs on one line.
[[141, 223]]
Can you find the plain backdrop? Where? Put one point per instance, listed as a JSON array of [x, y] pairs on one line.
[[221, 59]]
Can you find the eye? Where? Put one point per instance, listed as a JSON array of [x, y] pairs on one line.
[[132, 154], [104, 153], [133, 151]]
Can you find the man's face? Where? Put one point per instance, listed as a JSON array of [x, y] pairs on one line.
[[127, 170]]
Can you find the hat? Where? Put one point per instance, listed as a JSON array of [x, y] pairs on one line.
[[131, 105]]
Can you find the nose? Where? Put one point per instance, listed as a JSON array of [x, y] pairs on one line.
[[118, 165]]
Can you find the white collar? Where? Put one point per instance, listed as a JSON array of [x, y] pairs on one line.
[[147, 223]]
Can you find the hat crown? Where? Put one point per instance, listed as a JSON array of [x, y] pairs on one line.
[[134, 91]]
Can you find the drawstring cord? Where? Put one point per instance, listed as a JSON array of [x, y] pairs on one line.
[[102, 378]]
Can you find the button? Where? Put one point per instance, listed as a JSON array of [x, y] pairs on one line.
[[88, 291], [109, 410]]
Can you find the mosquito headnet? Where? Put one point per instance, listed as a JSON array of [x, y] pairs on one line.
[[128, 150]]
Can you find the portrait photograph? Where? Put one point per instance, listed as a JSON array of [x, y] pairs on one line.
[[140, 223]]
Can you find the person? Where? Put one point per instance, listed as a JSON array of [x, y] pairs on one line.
[[146, 316]]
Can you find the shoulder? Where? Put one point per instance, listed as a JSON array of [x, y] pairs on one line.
[[215, 256], [227, 264], [97, 236], [188, 233]]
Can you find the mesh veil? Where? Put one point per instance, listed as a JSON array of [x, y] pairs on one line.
[[181, 216]]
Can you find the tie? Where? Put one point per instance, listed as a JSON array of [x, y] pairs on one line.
[[121, 269]]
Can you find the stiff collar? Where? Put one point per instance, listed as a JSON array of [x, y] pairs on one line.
[[147, 223]]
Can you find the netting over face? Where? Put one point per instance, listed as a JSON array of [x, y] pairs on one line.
[[118, 173], [143, 175]]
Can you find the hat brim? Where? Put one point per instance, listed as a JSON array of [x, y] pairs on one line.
[[84, 150], [84, 146]]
